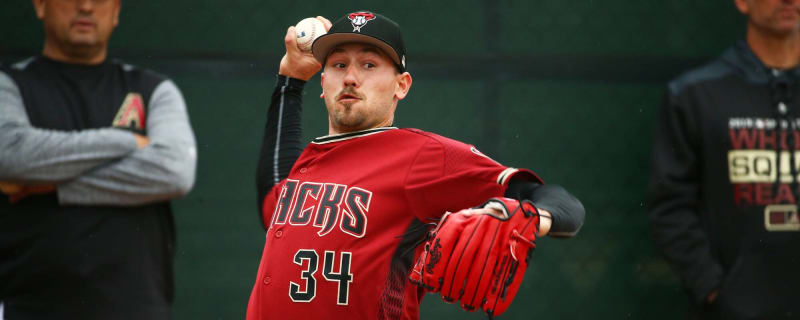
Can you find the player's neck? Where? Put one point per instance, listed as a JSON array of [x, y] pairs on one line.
[[74, 54], [333, 129], [781, 51]]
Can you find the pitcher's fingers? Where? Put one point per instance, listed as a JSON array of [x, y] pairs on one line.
[[290, 40], [327, 23]]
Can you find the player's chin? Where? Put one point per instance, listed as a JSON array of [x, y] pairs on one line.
[[350, 122], [788, 25], [83, 40], [348, 103]]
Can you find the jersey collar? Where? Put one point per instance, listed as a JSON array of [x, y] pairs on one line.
[[350, 135]]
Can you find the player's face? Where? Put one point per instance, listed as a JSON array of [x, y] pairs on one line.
[[361, 88], [73, 24], [774, 16]]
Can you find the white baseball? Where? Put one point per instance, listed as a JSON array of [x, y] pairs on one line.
[[308, 30]]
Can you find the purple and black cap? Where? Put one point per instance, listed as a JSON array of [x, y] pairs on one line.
[[363, 27]]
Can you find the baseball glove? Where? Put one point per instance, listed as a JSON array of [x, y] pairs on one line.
[[478, 256]]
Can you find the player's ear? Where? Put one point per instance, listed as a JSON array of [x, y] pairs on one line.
[[321, 84], [38, 5], [403, 85], [117, 7], [743, 6]]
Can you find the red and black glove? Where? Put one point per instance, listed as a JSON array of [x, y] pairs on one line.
[[478, 256]]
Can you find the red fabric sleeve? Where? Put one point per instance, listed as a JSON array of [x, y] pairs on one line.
[[270, 201], [448, 175]]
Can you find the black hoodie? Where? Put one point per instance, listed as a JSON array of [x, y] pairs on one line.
[[719, 214]]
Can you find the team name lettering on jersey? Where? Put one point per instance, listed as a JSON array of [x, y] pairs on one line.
[[323, 205]]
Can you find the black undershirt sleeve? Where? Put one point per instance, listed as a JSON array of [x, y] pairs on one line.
[[568, 212], [281, 144]]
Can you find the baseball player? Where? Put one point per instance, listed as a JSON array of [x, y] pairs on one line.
[[344, 217]]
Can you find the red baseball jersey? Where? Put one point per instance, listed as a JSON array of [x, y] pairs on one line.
[[344, 225]]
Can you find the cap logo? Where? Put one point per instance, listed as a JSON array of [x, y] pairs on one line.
[[360, 19]]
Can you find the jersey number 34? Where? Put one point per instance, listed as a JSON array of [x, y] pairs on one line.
[[311, 259]]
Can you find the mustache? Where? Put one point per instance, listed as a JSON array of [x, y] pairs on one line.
[[85, 17], [349, 91], [795, 8]]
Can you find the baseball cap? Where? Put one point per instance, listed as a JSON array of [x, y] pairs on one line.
[[364, 27]]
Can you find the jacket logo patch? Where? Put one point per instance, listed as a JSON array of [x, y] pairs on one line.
[[781, 218], [131, 113]]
